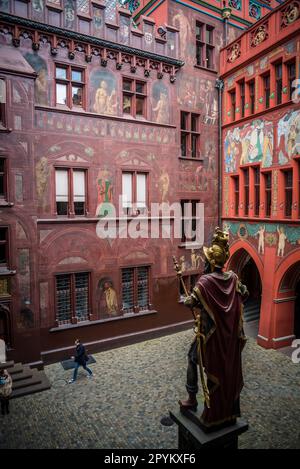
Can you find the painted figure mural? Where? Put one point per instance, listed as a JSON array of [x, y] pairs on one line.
[[108, 301], [105, 98], [41, 82], [251, 143], [288, 136], [261, 239], [200, 94], [161, 103]]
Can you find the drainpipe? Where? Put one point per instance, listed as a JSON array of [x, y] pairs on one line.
[[226, 14], [220, 86]]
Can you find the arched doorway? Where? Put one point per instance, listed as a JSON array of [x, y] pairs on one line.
[[243, 264], [297, 311], [4, 324], [290, 287]]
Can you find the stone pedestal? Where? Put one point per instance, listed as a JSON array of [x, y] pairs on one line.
[[192, 438]]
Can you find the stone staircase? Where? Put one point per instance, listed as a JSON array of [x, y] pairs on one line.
[[25, 380], [251, 310]]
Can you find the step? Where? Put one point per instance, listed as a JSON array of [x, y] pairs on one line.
[[25, 373], [7, 365], [44, 385], [16, 369], [24, 383]]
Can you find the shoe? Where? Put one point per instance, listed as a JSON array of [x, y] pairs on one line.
[[90, 376], [190, 404], [71, 381]]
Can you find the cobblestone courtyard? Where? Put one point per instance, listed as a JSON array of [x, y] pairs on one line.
[[135, 386]]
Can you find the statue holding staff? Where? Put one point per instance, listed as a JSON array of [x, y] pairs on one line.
[[219, 339]]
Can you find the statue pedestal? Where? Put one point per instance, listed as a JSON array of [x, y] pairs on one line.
[[192, 438]]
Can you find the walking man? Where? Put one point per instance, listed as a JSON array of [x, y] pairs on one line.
[[80, 359]]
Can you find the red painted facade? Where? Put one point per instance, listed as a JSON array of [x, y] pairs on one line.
[[260, 177], [87, 96]]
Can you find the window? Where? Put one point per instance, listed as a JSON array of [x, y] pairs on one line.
[[3, 179], [246, 191], [291, 68], [3, 247], [242, 95], [256, 190], [72, 298], [288, 189], [251, 85], [2, 103], [134, 97], [236, 190], [266, 80], [135, 289], [278, 77], [70, 187], [189, 135], [69, 86], [188, 220], [204, 45], [232, 97], [134, 193], [268, 192]]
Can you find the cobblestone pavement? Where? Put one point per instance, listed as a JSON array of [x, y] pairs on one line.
[[135, 386]]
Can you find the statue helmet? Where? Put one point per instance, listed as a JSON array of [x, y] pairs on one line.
[[218, 253]]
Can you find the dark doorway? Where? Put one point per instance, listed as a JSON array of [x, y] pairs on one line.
[[4, 325], [297, 311], [250, 277]]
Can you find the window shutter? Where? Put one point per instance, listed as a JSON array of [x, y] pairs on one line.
[[127, 190], [141, 191], [79, 186], [61, 182]]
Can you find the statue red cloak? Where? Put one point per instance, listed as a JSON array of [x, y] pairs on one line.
[[221, 295]]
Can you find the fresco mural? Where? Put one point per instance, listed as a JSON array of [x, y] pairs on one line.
[[42, 172], [198, 93], [107, 299], [41, 88], [69, 9], [251, 143], [104, 192], [284, 237], [288, 134], [160, 103], [4, 5], [96, 127], [181, 22], [104, 96]]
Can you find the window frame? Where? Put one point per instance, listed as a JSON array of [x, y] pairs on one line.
[[6, 243], [71, 204], [136, 308], [73, 318], [3, 110], [192, 218], [134, 95], [69, 83], [278, 83], [256, 176], [291, 78], [288, 193], [132, 211], [267, 89], [188, 134], [268, 193], [204, 45], [251, 85], [4, 174]]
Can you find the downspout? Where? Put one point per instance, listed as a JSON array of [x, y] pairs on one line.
[[220, 87]]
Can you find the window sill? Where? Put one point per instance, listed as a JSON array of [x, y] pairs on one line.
[[101, 321], [212, 70], [190, 158], [4, 271], [190, 245], [5, 203], [81, 112], [5, 129]]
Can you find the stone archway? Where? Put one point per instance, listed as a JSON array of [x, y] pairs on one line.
[[245, 266], [289, 294]]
